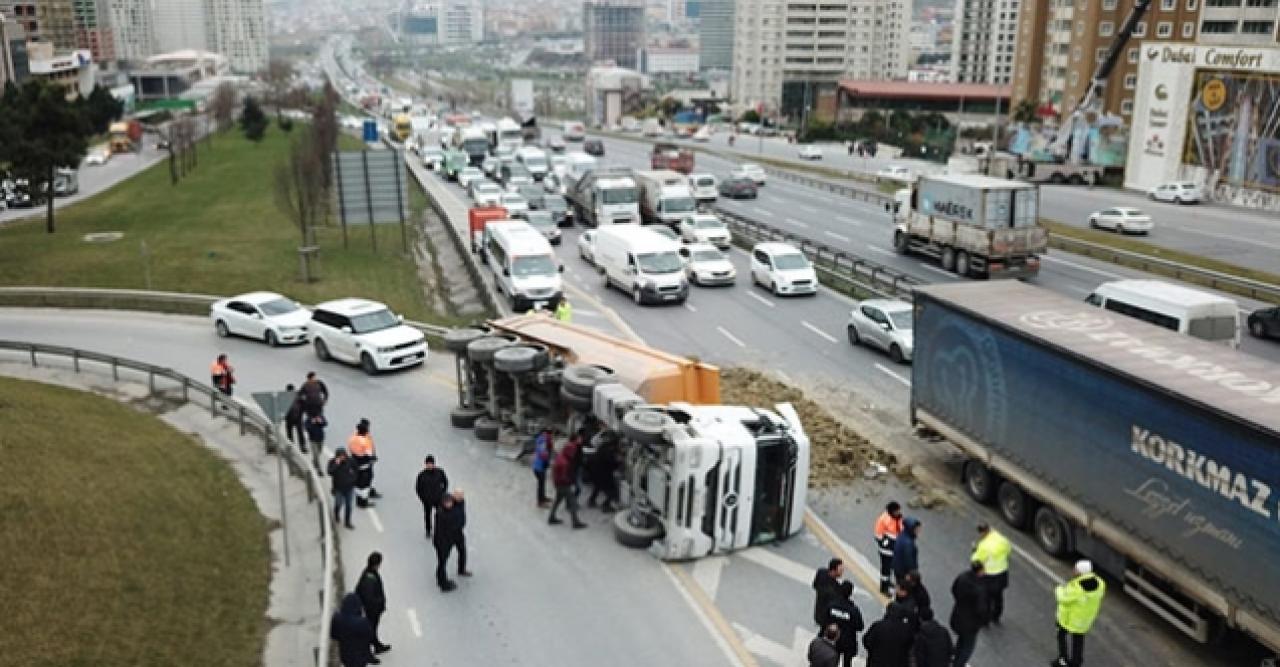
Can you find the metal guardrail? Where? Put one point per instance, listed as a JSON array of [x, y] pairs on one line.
[[833, 263], [248, 418]]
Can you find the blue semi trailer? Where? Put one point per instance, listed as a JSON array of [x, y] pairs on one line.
[[1153, 453]]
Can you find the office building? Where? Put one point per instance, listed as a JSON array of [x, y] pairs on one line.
[[13, 52], [462, 22], [91, 20], [983, 43], [71, 70], [1061, 44], [669, 60], [788, 50], [715, 34], [234, 28], [179, 25], [1239, 22], [614, 31], [133, 29]]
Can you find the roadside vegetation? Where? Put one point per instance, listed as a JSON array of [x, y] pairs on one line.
[[128, 544]]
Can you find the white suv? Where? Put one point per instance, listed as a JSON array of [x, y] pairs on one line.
[[359, 331], [783, 269]]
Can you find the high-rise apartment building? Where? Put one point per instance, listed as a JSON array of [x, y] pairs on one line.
[[133, 28], [237, 29], [1240, 22], [715, 32], [92, 24], [1062, 42], [180, 25], [462, 22], [614, 30], [983, 42], [783, 43], [66, 24], [14, 65]]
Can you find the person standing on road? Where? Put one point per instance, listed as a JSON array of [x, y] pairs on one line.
[[431, 486], [919, 595], [888, 526], [222, 374], [578, 441], [449, 522], [353, 633], [316, 425], [564, 311], [562, 476], [826, 585], [844, 614], [601, 468], [932, 645], [822, 650], [460, 535], [1078, 603], [904, 605], [342, 480], [314, 395], [363, 455], [373, 598], [906, 555], [293, 420], [969, 613], [544, 449], [992, 550], [888, 640]]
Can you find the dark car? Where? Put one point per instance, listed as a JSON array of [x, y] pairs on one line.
[[555, 144], [738, 188], [533, 194], [593, 147], [1265, 322], [559, 209]]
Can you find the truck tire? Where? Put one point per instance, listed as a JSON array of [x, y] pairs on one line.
[[486, 429], [900, 242], [635, 530], [962, 264], [1052, 533], [979, 482], [645, 427], [520, 358], [457, 340], [581, 379], [948, 259], [1015, 506], [574, 401], [465, 417], [483, 348]]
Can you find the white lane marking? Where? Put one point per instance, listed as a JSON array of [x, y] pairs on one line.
[[834, 235], [726, 334], [1082, 267], [1225, 237], [930, 267], [689, 307], [413, 622], [706, 572], [761, 299], [706, 621], [783, 566], [373, 516], [882, 251], [797, 223], [848, 221], [818, 331], [893, 374], [784, 377], [773, 651], [870, 572], [806, 209], [1044, 569]]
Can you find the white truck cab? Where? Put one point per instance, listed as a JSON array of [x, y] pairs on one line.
[[535, 160]]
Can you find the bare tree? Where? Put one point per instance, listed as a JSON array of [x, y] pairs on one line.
[[277, 75], [324, 130], [300, 194], [222, 105]]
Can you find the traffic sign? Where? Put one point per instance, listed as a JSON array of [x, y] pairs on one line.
[[274, 403]]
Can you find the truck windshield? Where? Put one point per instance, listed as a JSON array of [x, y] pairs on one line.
[[535, 265], [375, 321], [678, 205], [476, 146], [619, 196], [660, 262]]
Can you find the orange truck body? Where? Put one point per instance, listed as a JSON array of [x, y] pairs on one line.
[[657, 376], [480, 216]]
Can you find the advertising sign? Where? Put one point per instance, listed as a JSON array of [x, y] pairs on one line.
[[1233, 130]]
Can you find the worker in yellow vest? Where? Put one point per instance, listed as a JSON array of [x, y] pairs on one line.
[[363, 454], [564, 312], [992, 550], [1078, 603]]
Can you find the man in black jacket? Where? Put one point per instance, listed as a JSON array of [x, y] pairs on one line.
[[917, 592], [932, 646], [431, 486], [293, 420], [373, 598], [888, 640], [822, 650], [342, 479], [969, 613], [353, 633], [450, 521], [314, 395], [844, 614], [826, 584]]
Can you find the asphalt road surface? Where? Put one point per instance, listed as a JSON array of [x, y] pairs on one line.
[[96, 178]]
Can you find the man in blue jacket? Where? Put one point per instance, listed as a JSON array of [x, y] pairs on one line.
[[906, 556]]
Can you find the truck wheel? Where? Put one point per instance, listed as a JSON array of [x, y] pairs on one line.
[[645, 427], [522, 358], [900, 242], [457, 340], [895, 353], [486, 429], [979, 481], [948, 259], [579, 403], [482, 349], [1015, 506], [635, 530], [1052, 532], [962, 264], [465, 417], [581, 379]]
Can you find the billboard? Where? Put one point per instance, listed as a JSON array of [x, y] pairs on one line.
[[1233, 128]]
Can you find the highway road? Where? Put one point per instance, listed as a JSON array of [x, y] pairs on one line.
[[96, 178], [1240, 236]]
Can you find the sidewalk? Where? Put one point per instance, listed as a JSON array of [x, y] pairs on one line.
[[294, 615]]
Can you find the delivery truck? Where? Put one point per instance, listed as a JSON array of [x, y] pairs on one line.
[[604, 197], [665, 197], [973, 225], [1155, 454]]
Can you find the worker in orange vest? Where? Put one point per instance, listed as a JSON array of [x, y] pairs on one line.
[[888, 526], [363, 454], [222, 374]]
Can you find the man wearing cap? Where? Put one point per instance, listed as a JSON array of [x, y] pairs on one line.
[[992, 550], [1078, 603], [431, 486]]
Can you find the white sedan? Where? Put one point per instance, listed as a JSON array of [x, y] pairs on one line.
[[752, 171], [264, 316], [1121, 220], [587, 246], [469, 175], [883, 323], [810, 152], [705, 228], [704, 265], [517, 206], [97, 158]]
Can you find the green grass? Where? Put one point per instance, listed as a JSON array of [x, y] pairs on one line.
[[125, 542], [217, 232]]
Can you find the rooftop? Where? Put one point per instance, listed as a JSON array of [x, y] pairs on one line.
[[925, 91]]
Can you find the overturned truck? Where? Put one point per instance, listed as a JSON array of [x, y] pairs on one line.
[[698, 478]]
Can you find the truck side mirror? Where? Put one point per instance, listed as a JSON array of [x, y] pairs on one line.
[[506, 272]]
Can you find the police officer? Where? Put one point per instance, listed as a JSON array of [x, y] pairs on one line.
[[363, 454], [844, 614], [992, 550], [1078, 603], [888, 526]]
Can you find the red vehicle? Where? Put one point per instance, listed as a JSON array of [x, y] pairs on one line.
[[481, 216], [671, 156]]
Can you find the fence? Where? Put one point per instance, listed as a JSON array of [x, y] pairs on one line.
[[248, 419]]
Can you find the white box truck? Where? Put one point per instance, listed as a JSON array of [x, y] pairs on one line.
[[665, 197]]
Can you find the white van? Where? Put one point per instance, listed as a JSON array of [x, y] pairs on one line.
[[578, 164], [574, 131], [704, 187], [641, 263], [534, 160], [1182, 309], [523, 264]]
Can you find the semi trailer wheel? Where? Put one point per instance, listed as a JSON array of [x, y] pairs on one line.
[[483, 348], [645, 427], [465, 417], [979, 482], [1015, 506], [1052, 533], [457, 340]]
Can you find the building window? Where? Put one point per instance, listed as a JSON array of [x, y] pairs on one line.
[[1079, 27], [1188, 30], [1099, 55], [1108, 5], [1258, 27], [1140, 30], [1168, 5], [1221, 3], [1191, 5], [1133, 55], [1130, 81], [1075, 54], [1106, 28], [1218, 28], [1260, 3], [1164, 29], [1126, 107]]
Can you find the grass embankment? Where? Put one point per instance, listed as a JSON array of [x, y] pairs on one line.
[[217, 232], [126, 542]]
